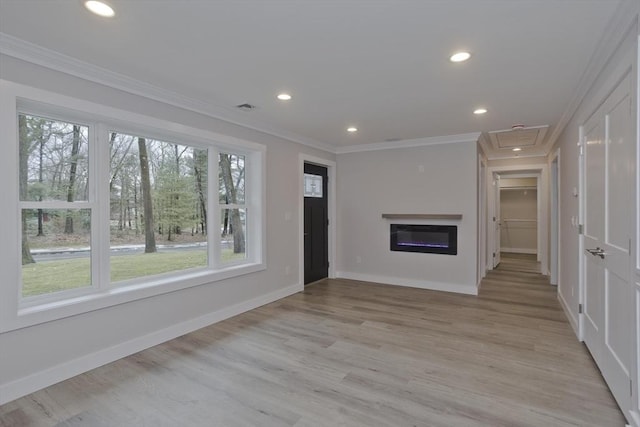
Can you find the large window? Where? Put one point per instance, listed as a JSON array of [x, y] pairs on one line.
[[110, 210], [158, 216], [55, 215]]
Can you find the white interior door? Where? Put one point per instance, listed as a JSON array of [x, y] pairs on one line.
[[608, 173], [496, 222]]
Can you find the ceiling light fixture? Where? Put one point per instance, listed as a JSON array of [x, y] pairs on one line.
[[284, 97], [460, 57], [99, 8], [479, 111], [517, 149], [352, 129]]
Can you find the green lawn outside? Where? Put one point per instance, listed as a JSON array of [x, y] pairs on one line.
[[52, 276]]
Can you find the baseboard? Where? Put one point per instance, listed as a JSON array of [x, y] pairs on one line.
[[519, 251], [412, 283], [39, 380], [567, 311]]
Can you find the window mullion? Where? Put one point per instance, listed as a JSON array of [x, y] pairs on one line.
[[99, 192], [213, 230]]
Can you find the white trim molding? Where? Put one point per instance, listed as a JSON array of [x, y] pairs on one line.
[[541, 172], [573, 321], [35, 54], [624, 18], [39, 380], [410, 143], [458, 288]]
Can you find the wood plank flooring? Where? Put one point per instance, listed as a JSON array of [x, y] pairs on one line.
[[519, 262], [348, 353]]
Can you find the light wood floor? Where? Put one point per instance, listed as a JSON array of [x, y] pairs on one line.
[[347, 353], [519, 262]]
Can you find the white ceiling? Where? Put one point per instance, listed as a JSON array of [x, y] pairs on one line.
[[381, 65]]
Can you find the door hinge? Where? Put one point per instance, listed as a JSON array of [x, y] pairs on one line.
[[579, 308], [580, 229], [494, 219], [630, 387], [494, 254]]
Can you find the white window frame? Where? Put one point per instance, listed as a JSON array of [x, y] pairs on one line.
[[18, 312]]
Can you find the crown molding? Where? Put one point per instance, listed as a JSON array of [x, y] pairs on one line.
[[38, 55], [519, 156], [624, 18], [410, 143]]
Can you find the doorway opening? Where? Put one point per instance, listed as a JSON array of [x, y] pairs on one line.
[[518, 202], [518, 222]]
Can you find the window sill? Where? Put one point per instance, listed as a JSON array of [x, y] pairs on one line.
[[36, 313]]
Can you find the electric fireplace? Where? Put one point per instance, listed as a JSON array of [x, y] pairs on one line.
[[431, 239]]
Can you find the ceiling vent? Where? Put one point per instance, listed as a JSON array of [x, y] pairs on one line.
[[246, 107], [518, 136]]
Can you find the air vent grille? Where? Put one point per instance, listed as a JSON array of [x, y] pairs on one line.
[[246, 107]]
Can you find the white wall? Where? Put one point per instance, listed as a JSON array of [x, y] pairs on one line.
[[37, 356], [429, 179]]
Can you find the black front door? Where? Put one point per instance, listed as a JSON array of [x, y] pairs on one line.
[[316, 221]]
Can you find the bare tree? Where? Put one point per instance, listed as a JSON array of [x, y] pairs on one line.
[[25, 148], [147, 202], [232, 194], [75, 149], [200, 170]]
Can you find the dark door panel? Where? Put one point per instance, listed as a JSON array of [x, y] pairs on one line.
[[316, 247]]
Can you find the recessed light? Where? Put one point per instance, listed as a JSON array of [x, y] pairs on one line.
[[460, 57], [284, 96], [352, 129], [99, 8], [517, 149], [479, 111]]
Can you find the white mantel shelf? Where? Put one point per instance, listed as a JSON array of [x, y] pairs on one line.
[[422, 216]]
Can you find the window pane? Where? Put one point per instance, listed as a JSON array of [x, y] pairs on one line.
[[312, 185], [233, 228], [231, 179], [158, 216], [56, 250], [53, 159]]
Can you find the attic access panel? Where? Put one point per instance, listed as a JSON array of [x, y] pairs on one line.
[[522, 138]]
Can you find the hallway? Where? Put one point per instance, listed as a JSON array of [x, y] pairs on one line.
[[525, 263]]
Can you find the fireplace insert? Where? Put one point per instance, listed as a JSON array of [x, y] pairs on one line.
[[431, 239]]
